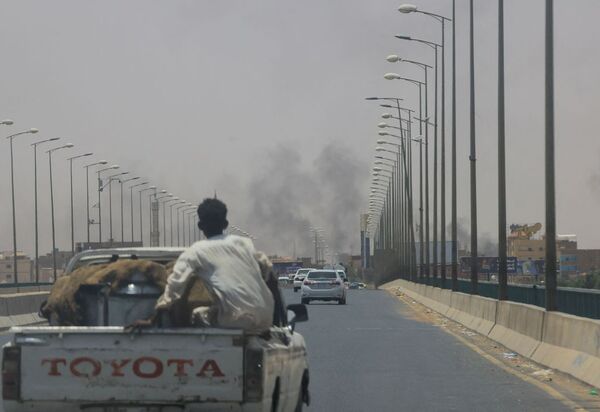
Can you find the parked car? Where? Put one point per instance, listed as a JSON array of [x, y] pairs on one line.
[[299, 278], [354, 285], [323, 285]]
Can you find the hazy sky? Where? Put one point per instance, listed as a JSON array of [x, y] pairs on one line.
[[262, 101]]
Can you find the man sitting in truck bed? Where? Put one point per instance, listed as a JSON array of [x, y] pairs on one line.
[[230, 266]]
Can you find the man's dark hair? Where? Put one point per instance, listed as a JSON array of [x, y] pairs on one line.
[[212, 216]]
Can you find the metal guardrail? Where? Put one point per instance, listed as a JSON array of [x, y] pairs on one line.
[[10, 288], [574, 301]]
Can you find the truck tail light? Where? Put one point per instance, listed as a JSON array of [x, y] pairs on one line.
[[11, 373], [253, 365]]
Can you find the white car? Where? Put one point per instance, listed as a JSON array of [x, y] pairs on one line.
[[323, 285], [299, 278], [342, 275]]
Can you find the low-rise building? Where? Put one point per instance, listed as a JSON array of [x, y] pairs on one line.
[[588, 260], [24, 267]]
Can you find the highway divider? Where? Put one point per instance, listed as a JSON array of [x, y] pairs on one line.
[[568, 343], [21, 309]]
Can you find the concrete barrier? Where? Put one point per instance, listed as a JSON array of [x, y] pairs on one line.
[[567, 343], [571, 344], [475, 312], [518, 327], [20, 309]]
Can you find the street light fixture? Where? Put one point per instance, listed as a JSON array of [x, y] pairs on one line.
[[66, 146], [70, 159], [110, 180], [180, 202], [100, 188], [141, 214], [131, 205], [165, 203], [409, 8], [87, 194], [35, 197], [121, 182], [9, 122]]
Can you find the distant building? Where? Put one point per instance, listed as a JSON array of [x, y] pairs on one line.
[[526, 249], [24, 267], [566, 251], [588, 260], [46, 264]]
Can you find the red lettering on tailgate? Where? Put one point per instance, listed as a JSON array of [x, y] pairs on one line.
[[210, 366], [117, 366], [74, 367], [54, 362], [180, 366], [157, 364]]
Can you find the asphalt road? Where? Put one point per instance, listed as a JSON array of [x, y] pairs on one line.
[[369, 356]]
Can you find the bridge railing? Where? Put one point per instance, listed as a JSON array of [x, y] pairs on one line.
[[10, 288], [579, 302]]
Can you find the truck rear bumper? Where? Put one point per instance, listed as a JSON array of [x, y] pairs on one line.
[[12, 406]]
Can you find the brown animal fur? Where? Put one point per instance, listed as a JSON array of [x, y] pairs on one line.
[[63, 304]]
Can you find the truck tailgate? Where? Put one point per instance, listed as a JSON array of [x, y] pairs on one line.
[[105, 364]]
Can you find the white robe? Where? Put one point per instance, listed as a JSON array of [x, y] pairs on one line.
[[231, 267]]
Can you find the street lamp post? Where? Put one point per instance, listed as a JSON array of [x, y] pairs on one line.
[[12, 189], [158, 199], [472, 158], [67, 146], [418, 139], [171, 219], [165, 203], [435, 47], [502, 270], [70, 159], [110, 221], [549, 162], [35, 201], [153, 229], [141, 214], [177, 217], [121, 182], [87, 193], [190, 213], [131, 205], [100, 188], [409, 8]]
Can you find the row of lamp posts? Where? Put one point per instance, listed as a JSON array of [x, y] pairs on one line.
[[390, 201], [187, 209]]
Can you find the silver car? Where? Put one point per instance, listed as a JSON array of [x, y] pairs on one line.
[[323, 285], [299, 278]]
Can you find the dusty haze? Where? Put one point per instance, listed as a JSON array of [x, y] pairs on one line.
[[263, 102]]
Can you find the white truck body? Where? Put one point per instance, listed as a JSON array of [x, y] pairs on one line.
[[108, 369]]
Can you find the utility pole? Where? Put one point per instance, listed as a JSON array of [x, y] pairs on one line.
[[550, 183], [502, 270], [472, 159]]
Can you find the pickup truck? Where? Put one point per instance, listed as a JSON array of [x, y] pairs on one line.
[[105, 368]]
